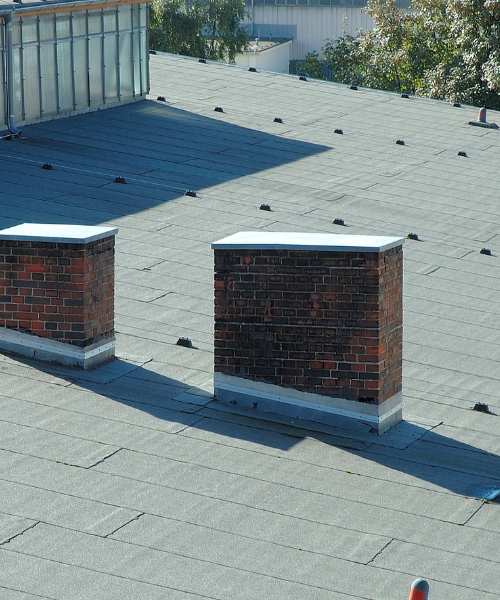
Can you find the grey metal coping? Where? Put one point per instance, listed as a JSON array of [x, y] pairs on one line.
[[270, 240], [64, 234]]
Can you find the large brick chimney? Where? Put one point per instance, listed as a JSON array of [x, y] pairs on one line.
[[311, 326], [57, 293]]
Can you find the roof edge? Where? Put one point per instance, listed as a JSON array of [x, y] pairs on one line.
[[36, 7]]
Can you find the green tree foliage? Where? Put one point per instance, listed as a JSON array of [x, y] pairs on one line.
[[225, 36], [312, 66], [175, 28], [346, 59], [446, 49], [204, 28], [476, 27]]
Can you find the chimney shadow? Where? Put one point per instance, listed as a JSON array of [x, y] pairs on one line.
[[427, 451]]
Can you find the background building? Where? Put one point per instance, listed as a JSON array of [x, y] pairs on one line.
[[308, 22], [267, 56]]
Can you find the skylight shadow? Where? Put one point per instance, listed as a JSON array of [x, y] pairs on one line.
[[157, 150]]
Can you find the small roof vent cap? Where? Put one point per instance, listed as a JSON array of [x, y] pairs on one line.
[[481, 120]]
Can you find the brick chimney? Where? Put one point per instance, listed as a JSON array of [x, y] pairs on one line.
[[310, 326], [57, 293]]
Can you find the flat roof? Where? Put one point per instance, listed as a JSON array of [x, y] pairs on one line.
[[130, 481]]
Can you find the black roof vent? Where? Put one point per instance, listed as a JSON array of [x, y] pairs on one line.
[[338, 222], [457, 105], [186, 342], [161, 99], [190, 193], [353, 87], [302, 78], [462, 153], [405, 96], [412, 236], [120, 179], [338, 131], [150, 51], [202, 60], [400, 142], [252, 69], [486, 251], [481, 407], [218, 109], [278, 120], [47, 167], [265, 207]]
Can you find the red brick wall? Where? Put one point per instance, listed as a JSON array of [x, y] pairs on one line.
[[60, 291], [322, 322]]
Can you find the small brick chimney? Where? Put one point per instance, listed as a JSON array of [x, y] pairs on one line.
[[57, 293], [311, 326]]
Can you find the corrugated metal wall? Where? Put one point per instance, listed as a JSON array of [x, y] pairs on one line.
[[309, 26], [66, 62]]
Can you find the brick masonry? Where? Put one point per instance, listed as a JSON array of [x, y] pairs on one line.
[[326, 322], [60, 291]]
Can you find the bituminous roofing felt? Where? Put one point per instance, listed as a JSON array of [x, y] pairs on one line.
[[129, 481]]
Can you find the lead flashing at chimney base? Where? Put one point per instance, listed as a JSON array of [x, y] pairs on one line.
[[46, 350], [328, 410], [310, 326]]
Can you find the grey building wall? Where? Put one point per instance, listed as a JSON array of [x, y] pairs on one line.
[[308, 22]]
